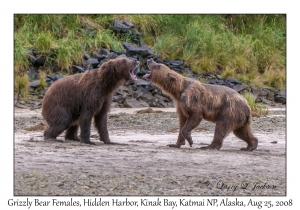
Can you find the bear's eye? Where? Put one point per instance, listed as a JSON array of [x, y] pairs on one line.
[[124, 61]]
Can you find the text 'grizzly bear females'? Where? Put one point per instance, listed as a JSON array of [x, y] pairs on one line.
[[197, 101], [74, 100]]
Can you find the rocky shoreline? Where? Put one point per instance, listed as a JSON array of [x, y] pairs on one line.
[[140, 93]]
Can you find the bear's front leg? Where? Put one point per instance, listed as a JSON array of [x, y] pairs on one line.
[[191, 123], [101, 124], [180, 139]]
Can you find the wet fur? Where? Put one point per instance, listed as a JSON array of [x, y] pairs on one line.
[[73, 101], [196, 101]]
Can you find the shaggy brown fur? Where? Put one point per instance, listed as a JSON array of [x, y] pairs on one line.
[[74, 100], [197, 101]]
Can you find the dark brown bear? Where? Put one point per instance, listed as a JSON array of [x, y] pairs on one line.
[[74, 100], [197, 101]]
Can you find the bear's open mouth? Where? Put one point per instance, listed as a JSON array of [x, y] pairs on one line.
[[132, 72]]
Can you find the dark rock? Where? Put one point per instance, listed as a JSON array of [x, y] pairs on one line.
[[122, 56], [119, 99], [78, 69], [117, 52], [268, 102], [134, 103], [130, 90], [100, 57], [54, 77], [32, 73], [160, 97], [189, 73], [155, 90], [263, 92], [258, 100], [122, 26], [111, 55], [87, 56], [93, 61], [88, 67], [209, 76], [54, 68], [221, 82], [219, 77], [176, 62], [212, 81], [143, 93], [133, 50], [124, 88], [117, 92], [280, 99], [234, 81], [150, 87], [39, 62], [177, 68], [130, 83], [34, 84], [141, 90], [142, 73], [31, 59], [104, 52], [238, 88], [142, 82], [153, 102], [270, 96], [162, 104], [228, 84]]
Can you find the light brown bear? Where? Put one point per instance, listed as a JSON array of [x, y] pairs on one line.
[[74, 100], [196, 101]]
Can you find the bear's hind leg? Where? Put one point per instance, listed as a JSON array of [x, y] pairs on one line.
[[71, 133], [245, 133], [57, 125], [221, 131], [84, 122]]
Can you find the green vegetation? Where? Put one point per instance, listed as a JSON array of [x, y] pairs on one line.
[[42, 76], [257, 109], [247, 47], [22, 85]]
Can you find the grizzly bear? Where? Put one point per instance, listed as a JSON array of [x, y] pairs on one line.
[[74, 100], [196, 101]]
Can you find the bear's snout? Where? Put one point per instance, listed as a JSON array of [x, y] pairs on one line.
[[150, 60]]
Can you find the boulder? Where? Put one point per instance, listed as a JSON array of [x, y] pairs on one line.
[[122, 26], [238, 88], [280, 99], [39, 61], [134, 50], [119, 99], [34, 84], [77, 69], [134, 103], [141, 82], [32, 73], [234, 81]]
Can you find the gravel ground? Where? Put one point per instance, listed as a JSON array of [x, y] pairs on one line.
[[143, 165]]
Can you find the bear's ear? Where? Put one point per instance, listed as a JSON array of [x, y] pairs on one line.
[[172, 77]]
